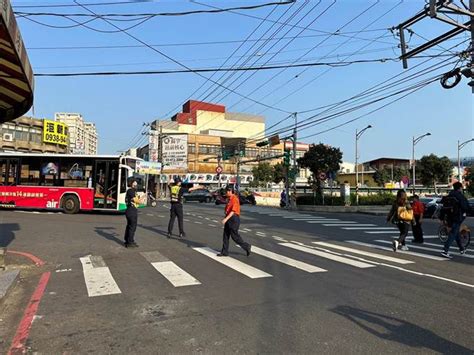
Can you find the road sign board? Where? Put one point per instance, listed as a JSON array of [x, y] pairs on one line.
[[218, 169]]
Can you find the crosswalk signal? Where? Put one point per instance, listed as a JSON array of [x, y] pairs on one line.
[[286, 157]]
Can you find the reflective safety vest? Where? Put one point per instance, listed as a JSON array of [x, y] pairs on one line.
[[175, 193]]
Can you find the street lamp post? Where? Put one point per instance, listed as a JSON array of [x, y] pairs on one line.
[[357, 136], [415, 142], [461, 146]]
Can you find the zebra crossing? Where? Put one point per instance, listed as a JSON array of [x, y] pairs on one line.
[[367, 228], [99, 279]]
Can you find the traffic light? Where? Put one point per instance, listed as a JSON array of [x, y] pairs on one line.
[[286, 157]]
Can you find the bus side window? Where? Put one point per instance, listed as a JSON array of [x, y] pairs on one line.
[[3, 171], [123, 180]]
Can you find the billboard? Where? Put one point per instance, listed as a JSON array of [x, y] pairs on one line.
[[175, 151], [153, 145], [148, 167], [54, 132]]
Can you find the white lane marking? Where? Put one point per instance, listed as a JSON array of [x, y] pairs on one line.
[[247, 229], [260, 234], [174, 274], [211, 225], [366, 253], [215, 221], [186, 220], [243, 231], [150, 214], [160, 216], [197, 222], [288, 261], [329, 256], [384, 232], [369, 228], [439, 250], [99, 280], [279, 238], [311, 219], [324, 221], [207, 219], [426, 237], [345, 224], [234, 264], [398, 251]]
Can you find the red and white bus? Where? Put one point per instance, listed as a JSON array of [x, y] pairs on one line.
[[68, 182]]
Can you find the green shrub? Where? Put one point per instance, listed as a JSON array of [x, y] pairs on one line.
[[369, 200]]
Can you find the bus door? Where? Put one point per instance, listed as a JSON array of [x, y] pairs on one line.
[[106, 184]]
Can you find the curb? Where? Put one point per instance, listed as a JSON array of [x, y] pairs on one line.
[[7, 283]]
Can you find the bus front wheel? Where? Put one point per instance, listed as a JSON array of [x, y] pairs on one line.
[[71, 204]]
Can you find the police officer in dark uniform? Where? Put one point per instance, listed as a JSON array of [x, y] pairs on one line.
[[132, 201], [176, 210]]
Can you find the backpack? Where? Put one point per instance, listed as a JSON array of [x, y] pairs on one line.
[[451, 208]]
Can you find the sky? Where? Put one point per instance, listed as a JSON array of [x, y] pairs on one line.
[[119, 105]]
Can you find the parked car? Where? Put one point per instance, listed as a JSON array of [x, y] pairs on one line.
[[220, 198], [431, 205], [198, 195], [470, 212]]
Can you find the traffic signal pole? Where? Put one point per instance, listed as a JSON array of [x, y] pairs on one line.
[[295, 165]]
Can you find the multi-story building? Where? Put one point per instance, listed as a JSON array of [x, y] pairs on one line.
[[193, 144], [27, 134], [83, 137]]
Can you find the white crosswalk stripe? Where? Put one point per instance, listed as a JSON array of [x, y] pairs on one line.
[[440, 248], [343, 224], [286, 260], [329, 256], [174, 274], [384, 232], [369, 228], [234, 264], [366, 253], [375, 246], [99, 280], [324, 220]]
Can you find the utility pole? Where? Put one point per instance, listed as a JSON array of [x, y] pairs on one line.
[[219, 157], [295, 164], [471, 7], [237, 157], [357, 136], [461, 146], [415, 142]]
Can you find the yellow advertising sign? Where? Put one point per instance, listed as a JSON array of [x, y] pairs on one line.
[[54, 132]]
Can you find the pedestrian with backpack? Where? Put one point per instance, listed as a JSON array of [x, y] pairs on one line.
[[455, 207], [418, 211], [401, 214]]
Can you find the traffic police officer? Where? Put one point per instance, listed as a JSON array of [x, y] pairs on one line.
[[176, 210], [132, 201]]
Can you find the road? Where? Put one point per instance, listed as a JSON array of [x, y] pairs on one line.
[[315, 283]]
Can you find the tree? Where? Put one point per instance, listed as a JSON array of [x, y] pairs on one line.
[[262, 174], [469, 178], [320, 158], [279, 173], [382, 176], [432, 169]]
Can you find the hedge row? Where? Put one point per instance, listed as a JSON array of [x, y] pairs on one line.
[[369, 200]]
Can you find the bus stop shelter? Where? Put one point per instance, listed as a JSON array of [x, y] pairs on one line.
[[16, 75]]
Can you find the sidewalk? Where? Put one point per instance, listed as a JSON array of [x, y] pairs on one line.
[[8, 278]]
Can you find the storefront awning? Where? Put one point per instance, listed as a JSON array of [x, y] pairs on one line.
[[16, 75]]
